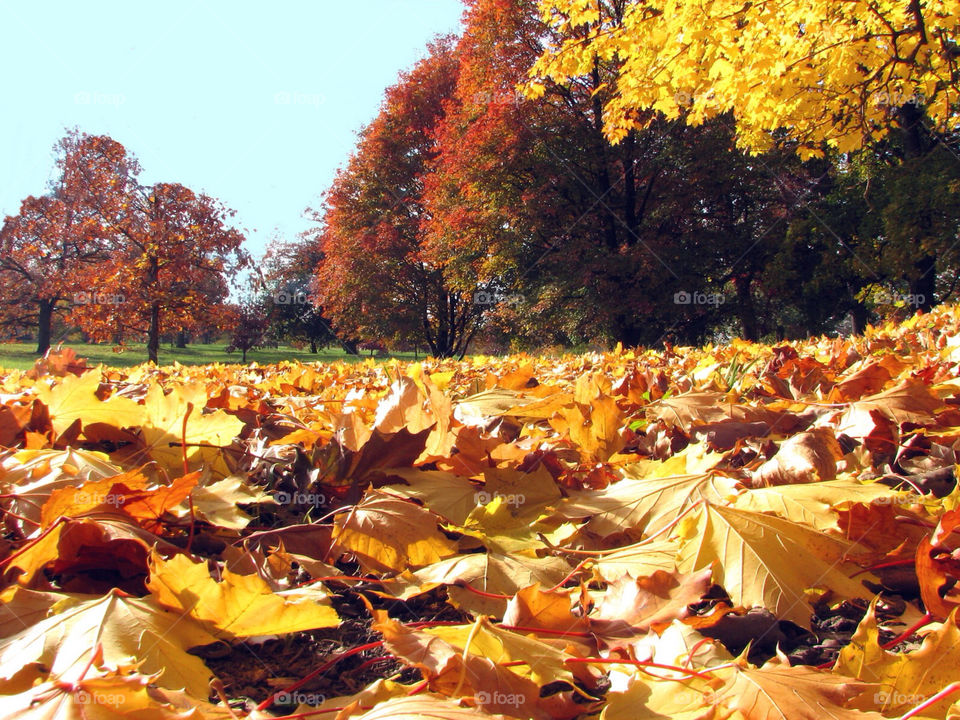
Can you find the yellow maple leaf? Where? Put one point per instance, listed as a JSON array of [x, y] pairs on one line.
[[239, 605]]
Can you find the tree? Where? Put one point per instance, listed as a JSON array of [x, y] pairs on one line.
[[581, 240], [376, 281], [832, 78], [48, 249], [287, 278], [173, 253], [249, 322], [839, 74]]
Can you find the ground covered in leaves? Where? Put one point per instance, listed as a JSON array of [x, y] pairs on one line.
[[745, 531]]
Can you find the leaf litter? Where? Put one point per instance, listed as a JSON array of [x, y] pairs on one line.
[[740, 530]]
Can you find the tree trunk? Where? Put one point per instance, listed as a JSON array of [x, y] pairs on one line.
[[181, 339], [603, 174], [244, 351], [746, 312], [313, 347], [858, 318], [924, 286], [153, 335], [917, 144], [44, 325]]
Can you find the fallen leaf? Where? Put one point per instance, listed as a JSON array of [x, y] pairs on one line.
[[238, 605]]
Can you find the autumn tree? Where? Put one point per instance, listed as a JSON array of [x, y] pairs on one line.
[[286, 276], [375, 280], [249, 324], [839, 74], [829, 77], [173, 253], [48, 249], [576, 239]]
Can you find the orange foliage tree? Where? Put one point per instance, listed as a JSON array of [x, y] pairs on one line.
[[173, 253], [375, 280], [47, 249]]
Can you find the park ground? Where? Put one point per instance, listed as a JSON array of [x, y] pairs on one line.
[[21, 356]]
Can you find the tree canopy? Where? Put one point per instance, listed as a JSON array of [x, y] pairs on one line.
[[833, 74]]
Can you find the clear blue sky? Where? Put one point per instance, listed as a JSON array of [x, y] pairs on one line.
[[254, 103]]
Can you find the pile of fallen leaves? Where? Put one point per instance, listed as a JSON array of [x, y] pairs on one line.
[[744, 531]]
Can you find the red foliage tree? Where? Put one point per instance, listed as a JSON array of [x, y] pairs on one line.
[[574, 239], [376, 282], [48, 248]]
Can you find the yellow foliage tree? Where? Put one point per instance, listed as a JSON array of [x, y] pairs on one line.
[[826, 73]]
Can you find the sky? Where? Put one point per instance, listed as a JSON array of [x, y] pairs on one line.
[[256, 104]]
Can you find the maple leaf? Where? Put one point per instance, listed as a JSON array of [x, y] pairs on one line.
[[60, 362], [642, 558], [533, 608], [642, 504], [778, 690], [109, 696], [910, 401], [902, 680], [91, 552], [31, 476], [692, 408], [450, 496], [129, 630], [754, 557], [937, 567], [594, 427], [634, 605], [468, 661], [128, 493], [802, 458], [104, 493], [217, 502], [20, 608], [75, 398], [817, 504], [164, 432], [238, 605], [490, 572], [427, 706], [387, 532]]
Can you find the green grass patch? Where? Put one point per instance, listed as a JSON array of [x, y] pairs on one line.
[[22, 355]]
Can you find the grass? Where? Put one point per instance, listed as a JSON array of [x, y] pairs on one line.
[[22, 355]]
